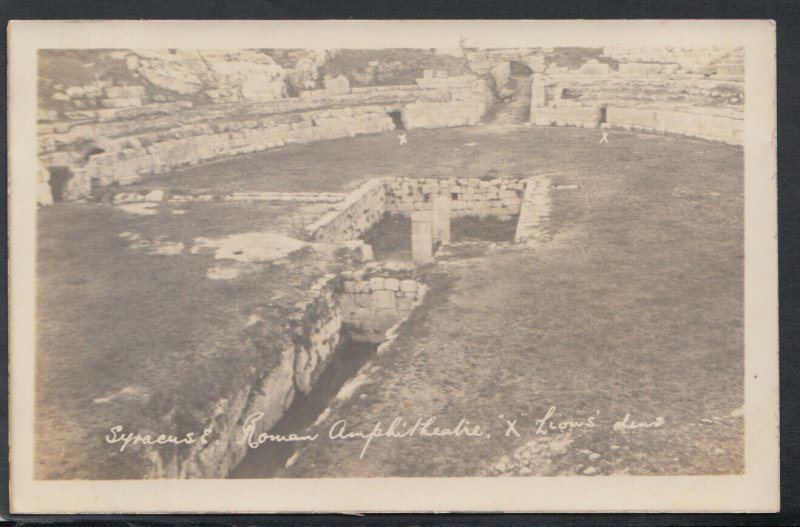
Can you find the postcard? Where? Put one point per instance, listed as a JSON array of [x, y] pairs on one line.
[[393, 266]]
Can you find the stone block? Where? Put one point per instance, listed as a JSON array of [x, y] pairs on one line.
[[592, 67], [421, 237], [362, 299], [154, 195], [376, 283], [362, 312], [366, 254], [348, 305], [383, 299], [405, 304], [337, 86], [408, 285], [440, 226], [391, 284]]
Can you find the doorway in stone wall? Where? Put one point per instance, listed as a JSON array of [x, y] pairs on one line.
[[390, 238], [397, 119], [513, 96], [59, 179]]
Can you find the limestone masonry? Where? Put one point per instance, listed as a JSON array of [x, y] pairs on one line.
[[155, 111]]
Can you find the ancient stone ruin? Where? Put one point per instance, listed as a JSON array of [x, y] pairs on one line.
[[191, 108], [183, 108]]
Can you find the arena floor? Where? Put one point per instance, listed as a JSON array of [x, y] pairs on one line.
[[635, 306]]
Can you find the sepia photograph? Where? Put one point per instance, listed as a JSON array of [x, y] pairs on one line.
[[458, 260]]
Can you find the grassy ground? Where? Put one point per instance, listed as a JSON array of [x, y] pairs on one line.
[[634, 306], [480, 151], [149, 335]]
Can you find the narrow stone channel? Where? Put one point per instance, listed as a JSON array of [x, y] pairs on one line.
[[270, 457]]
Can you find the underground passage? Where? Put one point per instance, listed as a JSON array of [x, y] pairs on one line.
[[60, 177], [397, 119], [271, 456]]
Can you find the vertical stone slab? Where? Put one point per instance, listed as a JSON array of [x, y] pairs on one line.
[[538, 92], [558, 94], [534, 214], [441, 219], [421, 237]]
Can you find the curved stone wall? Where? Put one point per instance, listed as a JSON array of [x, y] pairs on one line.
[[171, 110], [107, 146], [696, 93]]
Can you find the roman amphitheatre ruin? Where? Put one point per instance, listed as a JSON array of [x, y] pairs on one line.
[[362, 235]]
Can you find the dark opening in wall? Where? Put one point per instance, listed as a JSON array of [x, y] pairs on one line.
[[487, 229], [92, 152], [390, 238], [601, 115], [59, 178], [291, 91], [519, 69], [397, 119]]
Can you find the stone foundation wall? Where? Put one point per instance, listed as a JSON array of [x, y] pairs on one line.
[[534, 215], [431, 115], [499, 197], [132, 159], [714, 126], [694, 92], [305, 349], [121, 146], [315, 330], [271, 395], [565, 116], [468, 100], [371, 306], [366, 305], [360, 210]]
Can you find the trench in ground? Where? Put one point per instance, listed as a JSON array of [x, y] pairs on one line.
[[270, 457]]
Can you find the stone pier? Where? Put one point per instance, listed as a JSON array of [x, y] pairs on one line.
[[534, 214], [441, 219], [538, 91], [421, 237]]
